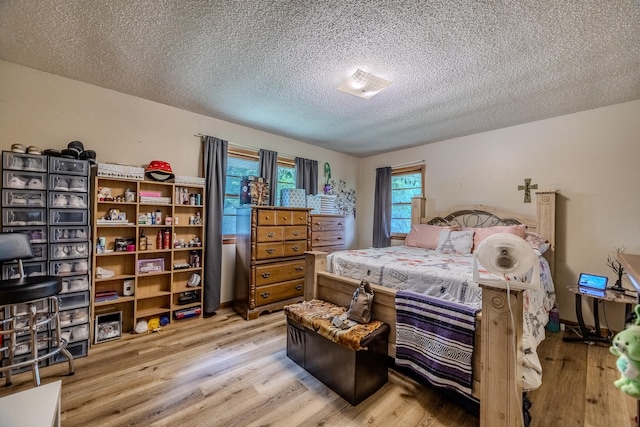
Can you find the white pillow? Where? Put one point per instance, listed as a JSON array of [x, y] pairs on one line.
[[455, 242]]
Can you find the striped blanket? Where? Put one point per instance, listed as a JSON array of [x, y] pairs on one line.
[[434, 339]]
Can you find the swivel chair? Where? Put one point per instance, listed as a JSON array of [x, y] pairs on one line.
[[32, 292]]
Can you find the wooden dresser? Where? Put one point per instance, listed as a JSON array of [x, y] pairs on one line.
[[270, 247], [327, 233]]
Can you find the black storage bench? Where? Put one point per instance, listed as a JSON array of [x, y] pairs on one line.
[[352, 362]]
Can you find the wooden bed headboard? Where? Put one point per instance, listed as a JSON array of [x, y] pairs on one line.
[[544, 223]]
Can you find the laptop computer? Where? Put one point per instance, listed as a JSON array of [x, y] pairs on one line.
[[592, 285]]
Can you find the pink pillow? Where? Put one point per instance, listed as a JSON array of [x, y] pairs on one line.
[[425, 235], [483, 233]]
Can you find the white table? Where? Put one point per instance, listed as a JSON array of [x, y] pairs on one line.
[[36, 407]]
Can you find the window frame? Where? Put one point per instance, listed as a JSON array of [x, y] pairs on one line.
[[407, 170], [250, 154]]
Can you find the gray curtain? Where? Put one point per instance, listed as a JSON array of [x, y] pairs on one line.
[[307, 175], [215, 172], [382, 209], [268, 168]]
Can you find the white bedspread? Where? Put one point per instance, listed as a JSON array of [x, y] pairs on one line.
[[451, 278]]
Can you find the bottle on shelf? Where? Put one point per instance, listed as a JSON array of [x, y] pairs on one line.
[[166, 242], [159, 240], [142, 243]]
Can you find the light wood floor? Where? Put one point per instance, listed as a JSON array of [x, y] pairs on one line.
[[225, 371]]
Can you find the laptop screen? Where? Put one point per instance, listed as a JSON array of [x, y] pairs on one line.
[[592, 281]]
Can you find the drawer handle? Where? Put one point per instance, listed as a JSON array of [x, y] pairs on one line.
[[265, 295], [271, 234], [340, 223], [339, 238], [266, 275], [270, 250], [299, 268], [266, 217], [296, 248], [298, 287], [296, 233], [285, 217]]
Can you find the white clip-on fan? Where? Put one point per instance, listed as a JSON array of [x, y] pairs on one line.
[[502, 254]]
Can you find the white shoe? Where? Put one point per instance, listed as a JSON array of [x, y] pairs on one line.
[[81, 234], [60, 252], [103, 273], [65, 318], [76, 202], [60, 200], [61, 184], [65, 286], [16, 182], [64, 267], [80, 267], [78, 285], [77, 185], [16, 163], [36, 200], [80, 316], [35, 184], [32, 165], [19, 199]]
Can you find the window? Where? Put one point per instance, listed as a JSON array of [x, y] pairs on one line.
[[241, 163], [406, 183]]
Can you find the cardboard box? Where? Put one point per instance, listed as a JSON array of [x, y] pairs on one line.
[[315, 203], [293, 198]]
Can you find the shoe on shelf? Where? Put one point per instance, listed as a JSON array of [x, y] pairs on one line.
[[35, 184], [76, 202], [103, 273], [81, 234], [79, 316], [61, 184], [32, 165], [77, 185], [19, 199], [79, 285], [60, 253], [64, 267], [17, 163], [65, 318], [16, 182], [60, 200], [66, 287], [36, 200], [80, 267]]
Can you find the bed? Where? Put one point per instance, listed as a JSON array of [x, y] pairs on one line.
[[493, 331]]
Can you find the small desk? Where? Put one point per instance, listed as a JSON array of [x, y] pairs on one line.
[[35, 407], [587, 335]]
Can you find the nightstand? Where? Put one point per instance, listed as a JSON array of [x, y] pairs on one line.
[[588, 336]]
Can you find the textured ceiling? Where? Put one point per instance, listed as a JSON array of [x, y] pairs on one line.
[[459, 66]]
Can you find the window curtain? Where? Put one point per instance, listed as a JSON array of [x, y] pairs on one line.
[[268, 168], [215, 172], [382, 209], [307, 175]]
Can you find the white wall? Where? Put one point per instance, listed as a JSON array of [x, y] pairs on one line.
[[49, 111], [591, 157]]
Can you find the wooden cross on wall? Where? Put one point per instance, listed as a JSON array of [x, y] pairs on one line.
[[527, 187]]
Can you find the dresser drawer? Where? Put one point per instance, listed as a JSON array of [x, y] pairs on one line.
[[270, 234], [298, 232], [295, 248], [279, 272], [319, 223], [326, 238], [269, 250], [279, 291], [266, 217], [292, 217]]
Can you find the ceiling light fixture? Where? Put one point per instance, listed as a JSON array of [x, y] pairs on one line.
[[364, 85]]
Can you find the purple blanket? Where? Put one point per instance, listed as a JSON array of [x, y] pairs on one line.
[[434, 339]]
